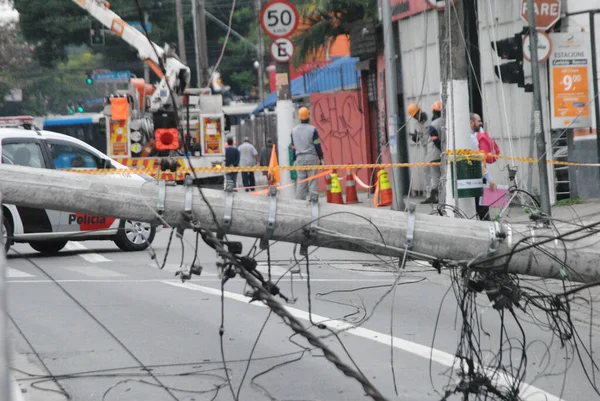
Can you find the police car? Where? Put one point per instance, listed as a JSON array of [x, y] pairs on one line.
[[48, 231]]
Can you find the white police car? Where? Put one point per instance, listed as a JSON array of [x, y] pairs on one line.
[[48, 231]]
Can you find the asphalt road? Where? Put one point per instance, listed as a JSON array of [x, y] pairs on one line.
[[112, 326]]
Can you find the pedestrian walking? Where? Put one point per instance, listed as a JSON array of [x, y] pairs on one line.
[[433, 153], [475, 127], [248, 158], [306, 147], [232, 159]]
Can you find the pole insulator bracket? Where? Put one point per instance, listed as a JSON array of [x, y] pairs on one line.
[[314, 224], [228, 214], [189, 193], [162, 194], [264, 241], [410, 225]]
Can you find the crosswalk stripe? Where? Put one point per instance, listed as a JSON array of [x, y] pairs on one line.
[[89, 257], [92, 271], [15, 273]]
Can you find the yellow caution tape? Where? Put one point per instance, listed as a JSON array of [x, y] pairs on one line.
[[181, 172]]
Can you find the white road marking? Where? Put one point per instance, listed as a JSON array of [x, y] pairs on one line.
[[15, 273], [528, 392], [160, 280], [90, 257], [93, 271], [276, 270]]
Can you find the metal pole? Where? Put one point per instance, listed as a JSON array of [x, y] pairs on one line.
[[438, 237], [595, 78], [4, 349], [202, 44], [196, 44], [180, 35], [260, 54], [146, 67], [392, 105], [537, 113]]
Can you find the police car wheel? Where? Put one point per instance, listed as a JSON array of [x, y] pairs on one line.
[[48, 246], [6, 233], [134, 235]]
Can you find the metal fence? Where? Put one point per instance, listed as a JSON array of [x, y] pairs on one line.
[[255, 129]]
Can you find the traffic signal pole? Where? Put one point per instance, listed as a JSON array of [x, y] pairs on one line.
[[537, 113], [359, 229]]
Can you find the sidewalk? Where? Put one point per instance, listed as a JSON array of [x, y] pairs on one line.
[[589, 210]]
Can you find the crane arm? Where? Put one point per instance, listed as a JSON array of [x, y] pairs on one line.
[[176, 74]]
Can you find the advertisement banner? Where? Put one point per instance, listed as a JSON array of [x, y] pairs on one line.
[[212, 134], [570, 78]]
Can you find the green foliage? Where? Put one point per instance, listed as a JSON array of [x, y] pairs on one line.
[[326, 20], [237, 67], [56, 25]]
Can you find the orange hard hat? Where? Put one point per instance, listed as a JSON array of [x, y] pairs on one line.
[[437, 106], [413, 109], [304, 114]]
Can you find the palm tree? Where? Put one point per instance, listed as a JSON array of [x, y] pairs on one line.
[[325, 20]]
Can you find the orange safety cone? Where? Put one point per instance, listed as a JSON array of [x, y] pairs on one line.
[[328, 186], [273, 174], [351, 195], [385, 190], [336, 190]]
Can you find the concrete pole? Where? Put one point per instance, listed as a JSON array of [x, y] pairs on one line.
[[391, 96], [4, 349], [199, 14], [285, 124], [440, 237], [456, 88], [537, 113], [180, 35]]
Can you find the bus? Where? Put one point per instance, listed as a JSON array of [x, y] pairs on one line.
[[87, 127]]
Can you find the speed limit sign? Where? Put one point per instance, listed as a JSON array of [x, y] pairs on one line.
[[279, 18], [439, 4]]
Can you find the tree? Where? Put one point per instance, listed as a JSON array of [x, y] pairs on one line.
[[324, 20]]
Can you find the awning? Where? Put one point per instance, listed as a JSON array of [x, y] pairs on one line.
[[339, 75]]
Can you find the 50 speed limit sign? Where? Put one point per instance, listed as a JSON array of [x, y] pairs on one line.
[[279, 18]]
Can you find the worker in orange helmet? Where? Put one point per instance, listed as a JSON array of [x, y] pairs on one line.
[[307, 151], [434, 149], [420, 136]]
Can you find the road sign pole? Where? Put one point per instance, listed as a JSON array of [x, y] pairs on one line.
[[279, 19], [537, 114]]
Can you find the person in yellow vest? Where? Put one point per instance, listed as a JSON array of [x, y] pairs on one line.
[[307, 151]]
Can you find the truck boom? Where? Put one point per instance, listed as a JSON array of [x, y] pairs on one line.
[[176, 74]]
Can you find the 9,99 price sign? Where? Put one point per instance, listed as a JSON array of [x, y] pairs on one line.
[[569, 69]]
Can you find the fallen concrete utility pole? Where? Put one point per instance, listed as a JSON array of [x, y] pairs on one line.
[[271, 218]]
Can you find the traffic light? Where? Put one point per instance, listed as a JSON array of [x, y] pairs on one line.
[[89, 78], [510, 49], [70, 108], [96, 33], [80, 108], [512, 72]]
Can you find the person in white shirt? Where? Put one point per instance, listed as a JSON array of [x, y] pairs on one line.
[[248, 158]]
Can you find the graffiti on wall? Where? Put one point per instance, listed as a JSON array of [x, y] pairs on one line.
[[340, 121]]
